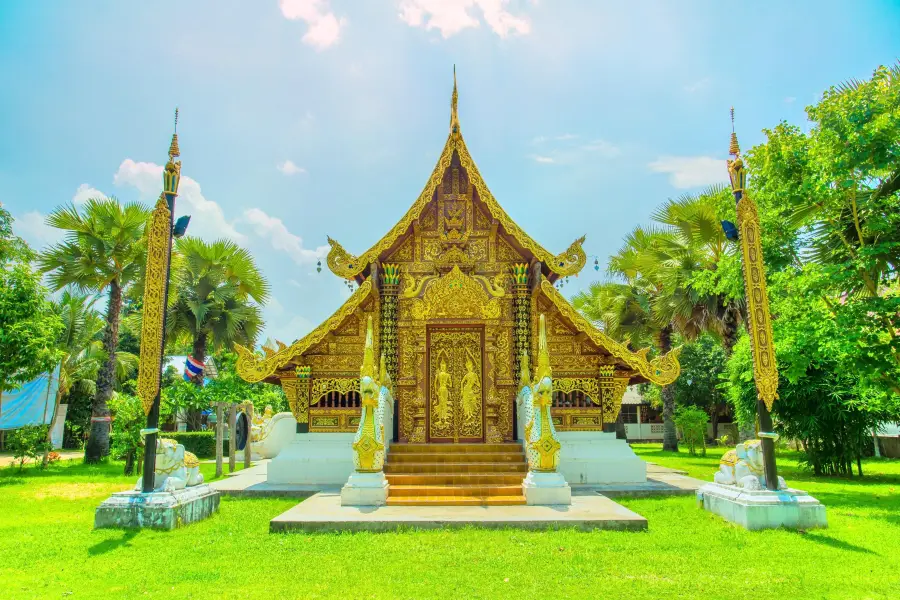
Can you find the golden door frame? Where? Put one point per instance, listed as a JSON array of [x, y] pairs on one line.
[[475, 327]]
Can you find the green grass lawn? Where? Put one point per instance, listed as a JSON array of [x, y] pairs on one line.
[[49, 550]]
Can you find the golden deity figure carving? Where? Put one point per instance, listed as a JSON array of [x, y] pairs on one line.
[[543, 446], [471, 392], [443, 382]]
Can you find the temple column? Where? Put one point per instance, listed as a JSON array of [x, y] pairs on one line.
[[521, 327], [390, 284], [612, 390], [296, 389]]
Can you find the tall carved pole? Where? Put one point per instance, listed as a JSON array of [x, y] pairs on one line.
[[156, 294], [765, 371], [389, 288]]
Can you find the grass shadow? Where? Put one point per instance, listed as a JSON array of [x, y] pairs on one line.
[[835, 543], [110, 545]]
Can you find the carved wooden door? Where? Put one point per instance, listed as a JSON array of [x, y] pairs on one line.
[[455, 384]]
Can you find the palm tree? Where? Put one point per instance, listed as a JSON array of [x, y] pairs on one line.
[[83, 351], [218, 292], [102, 251]]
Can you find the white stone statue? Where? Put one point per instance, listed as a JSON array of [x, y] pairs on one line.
[[175, 468], [743, 467]]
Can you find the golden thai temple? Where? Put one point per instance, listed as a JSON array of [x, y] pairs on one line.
[[455, 291]]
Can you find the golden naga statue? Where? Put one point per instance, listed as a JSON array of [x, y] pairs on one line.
[[368, 444], [543, 447]]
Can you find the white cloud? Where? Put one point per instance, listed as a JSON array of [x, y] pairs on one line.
[[207, 218], [452, 16], [273, 229], [85, 192], [698, 86], [691, 171], [289, 168], [603, 148], [32, 227], [324, 26], [543, 159]]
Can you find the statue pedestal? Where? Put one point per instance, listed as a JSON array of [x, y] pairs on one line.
[[157, 510], [544, 489], [593, 457], [313, 459], [365, 489], [763, 509]]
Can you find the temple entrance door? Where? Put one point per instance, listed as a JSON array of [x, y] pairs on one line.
[[455, 404]]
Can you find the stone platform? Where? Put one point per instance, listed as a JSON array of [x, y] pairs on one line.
[[763, 509], [323, 512], [156, 510]]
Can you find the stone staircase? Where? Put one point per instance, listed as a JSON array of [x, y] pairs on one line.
[[455, 474]]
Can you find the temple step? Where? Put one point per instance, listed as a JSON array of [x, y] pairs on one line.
[[456, 500], [455, 490], [430, 479], [403, 448], [455, 474], [469, 457], [455, 467]]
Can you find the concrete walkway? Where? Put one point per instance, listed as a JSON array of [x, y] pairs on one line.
[[6, 458]]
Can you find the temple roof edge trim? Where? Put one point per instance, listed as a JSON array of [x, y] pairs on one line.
[[253, 368], [348, 266], [661, 370]]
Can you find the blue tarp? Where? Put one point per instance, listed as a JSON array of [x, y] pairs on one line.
[[31, 404]]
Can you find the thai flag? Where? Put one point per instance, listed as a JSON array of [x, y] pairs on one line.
[[192, 368]]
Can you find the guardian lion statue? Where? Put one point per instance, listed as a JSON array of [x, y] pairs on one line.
[[176, 469], [743, 467]]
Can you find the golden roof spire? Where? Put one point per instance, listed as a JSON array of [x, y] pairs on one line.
[[454, 115], [733, 149], [173, 147]]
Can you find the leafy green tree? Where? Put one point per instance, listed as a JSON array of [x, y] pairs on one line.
[[28, 325], [217, 293], [837, 191], [127, 442], [823, 403], [703, 364], [692, 423], [103, 251]]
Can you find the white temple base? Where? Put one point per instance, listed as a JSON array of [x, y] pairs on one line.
[[314, 459], [543, 489], [365, 489], [763, 509], [596, 457]]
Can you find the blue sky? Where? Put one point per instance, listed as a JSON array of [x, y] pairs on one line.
[[307, 118]]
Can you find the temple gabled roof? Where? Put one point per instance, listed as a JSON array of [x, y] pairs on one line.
[[346, 265]]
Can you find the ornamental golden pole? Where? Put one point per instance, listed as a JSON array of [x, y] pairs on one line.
[[156, 294], [765, 371]]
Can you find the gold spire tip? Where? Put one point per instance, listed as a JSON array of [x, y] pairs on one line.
[[173, 147], [454, 116], [734, 149]]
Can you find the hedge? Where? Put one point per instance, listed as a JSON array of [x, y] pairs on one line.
[[201, 443]]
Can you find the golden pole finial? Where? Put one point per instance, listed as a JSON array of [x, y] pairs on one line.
[[733, 149], [454, 116], [173, 147]]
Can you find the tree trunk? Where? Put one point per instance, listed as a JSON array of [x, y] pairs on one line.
[[199, 354], [98, 442], [670, 435]]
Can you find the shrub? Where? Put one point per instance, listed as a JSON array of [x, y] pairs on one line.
[[201, 443], [29, 442], [692, 422]]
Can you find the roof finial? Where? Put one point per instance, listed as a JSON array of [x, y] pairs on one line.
[[733, 149], [454, 116], [173, 147]]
